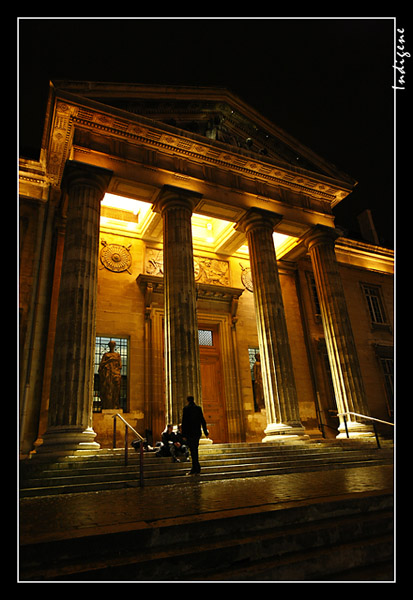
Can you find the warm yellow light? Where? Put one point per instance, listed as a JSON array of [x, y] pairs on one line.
[[123, 203], [206, 230], [279, 238], [282, 244]]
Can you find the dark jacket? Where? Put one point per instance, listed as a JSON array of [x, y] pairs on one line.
[[193, 420], [168, 437], [178, 437]]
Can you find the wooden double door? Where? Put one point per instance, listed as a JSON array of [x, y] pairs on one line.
[[213, 400]]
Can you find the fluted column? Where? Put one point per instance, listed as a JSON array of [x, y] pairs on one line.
[[341, 348], [182, 365], [70, 406], [280, 396]]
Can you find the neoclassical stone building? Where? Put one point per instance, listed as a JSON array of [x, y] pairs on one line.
[[200, 238]]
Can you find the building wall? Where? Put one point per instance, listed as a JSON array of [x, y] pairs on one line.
[[29, 216], [121, 312], [367, 336]]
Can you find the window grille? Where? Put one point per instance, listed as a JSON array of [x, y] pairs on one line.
[[205, 337], [101, 347], [251, 354]]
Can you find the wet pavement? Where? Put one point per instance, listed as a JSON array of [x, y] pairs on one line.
[[74, 515]]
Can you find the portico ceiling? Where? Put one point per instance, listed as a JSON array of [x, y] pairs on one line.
[[135, 218]]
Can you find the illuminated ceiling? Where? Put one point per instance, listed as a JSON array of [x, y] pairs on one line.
[[135, 218]]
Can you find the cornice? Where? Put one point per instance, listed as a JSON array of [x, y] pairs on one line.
[[71, 113], [364, 255], [235, 109], [356, 245], [33, 182], [217, 293]]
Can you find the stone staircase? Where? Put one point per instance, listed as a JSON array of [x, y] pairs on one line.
[[106, 468], [330, 539]]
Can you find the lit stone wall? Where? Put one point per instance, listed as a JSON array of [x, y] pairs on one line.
[[121, 312]]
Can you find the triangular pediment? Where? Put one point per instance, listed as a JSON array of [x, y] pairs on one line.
[[213, 114]]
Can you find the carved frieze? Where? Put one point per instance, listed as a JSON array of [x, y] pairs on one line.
[[60, 141], [207, 270], [192, 149]]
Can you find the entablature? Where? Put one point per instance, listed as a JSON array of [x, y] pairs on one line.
[[33, 181], [81, 126], [224, 298]]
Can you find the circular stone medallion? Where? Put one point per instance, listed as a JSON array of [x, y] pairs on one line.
[[115, 258], [246, 278]]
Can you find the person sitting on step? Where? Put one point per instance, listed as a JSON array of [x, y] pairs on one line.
[[164, 447], [178, 447]]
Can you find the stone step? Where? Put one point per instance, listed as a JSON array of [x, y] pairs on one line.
[[151, 461], [306, 542], [208, 467], [100, 473], [117, 456]]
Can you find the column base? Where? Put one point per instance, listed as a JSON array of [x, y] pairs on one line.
[[66, 440], [274, 432], [355, 430]]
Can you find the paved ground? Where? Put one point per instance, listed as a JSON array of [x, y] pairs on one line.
[[74, 515]]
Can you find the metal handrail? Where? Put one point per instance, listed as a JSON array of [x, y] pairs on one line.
[[373, 419], [141, 442], [130, 426], [365, 417]]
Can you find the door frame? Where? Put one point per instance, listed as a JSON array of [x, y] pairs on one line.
[[154, 371], [229, 370], [214, 352]]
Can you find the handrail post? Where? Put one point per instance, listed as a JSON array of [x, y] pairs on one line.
[[126, 446], [323, 433], [141, 463], [141, 442], [345, 424], [376, 434]]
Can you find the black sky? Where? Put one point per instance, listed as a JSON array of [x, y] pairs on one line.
[[326, 81]]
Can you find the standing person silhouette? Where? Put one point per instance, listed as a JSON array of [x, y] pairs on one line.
[[192, 421]]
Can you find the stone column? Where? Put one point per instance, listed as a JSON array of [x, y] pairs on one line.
[[70, 406], [182, 366], [280, 396], [341, 348]]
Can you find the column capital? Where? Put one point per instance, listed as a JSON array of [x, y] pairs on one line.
[[78, 173], [321, 234], [172, 197], [258, 218]]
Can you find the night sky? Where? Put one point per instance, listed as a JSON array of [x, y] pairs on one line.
[[326, 81]]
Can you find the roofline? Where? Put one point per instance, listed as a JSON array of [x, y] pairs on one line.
[[95, 89]]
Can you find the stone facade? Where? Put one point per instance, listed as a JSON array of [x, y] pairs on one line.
[[228, 236]]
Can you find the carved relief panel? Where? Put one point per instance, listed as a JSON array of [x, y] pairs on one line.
[[207, 270]]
